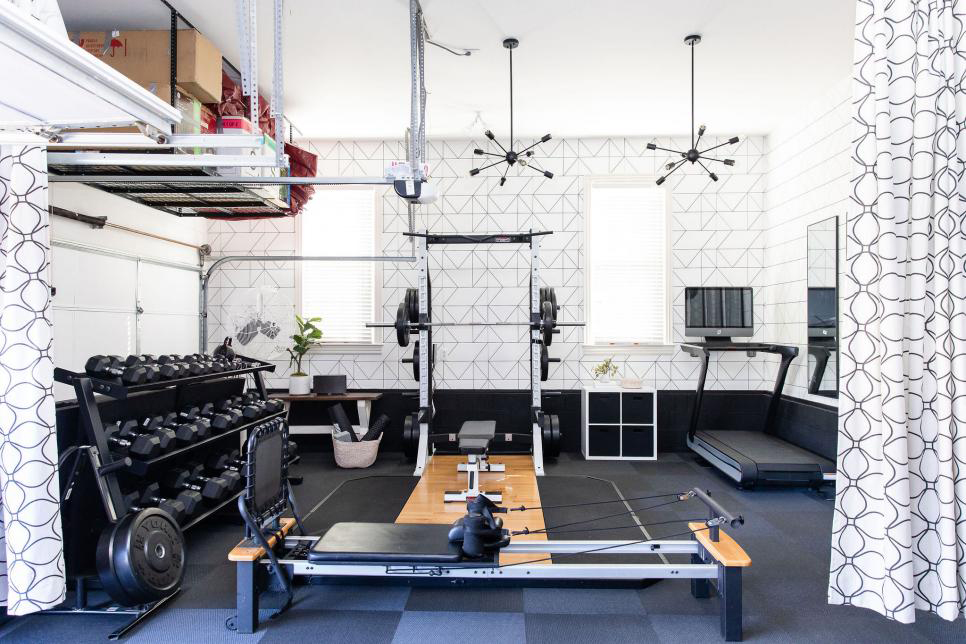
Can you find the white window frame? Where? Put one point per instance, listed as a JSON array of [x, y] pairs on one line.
[[348, 347], [626, 347]]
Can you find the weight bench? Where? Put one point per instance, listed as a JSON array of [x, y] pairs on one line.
[[474, 441]]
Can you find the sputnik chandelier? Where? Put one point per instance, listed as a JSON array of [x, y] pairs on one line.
[[694, 155], [510, 156]]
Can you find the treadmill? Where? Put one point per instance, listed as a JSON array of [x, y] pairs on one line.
[[753, 457]]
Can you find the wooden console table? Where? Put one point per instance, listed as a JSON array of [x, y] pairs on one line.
[[363, 402]]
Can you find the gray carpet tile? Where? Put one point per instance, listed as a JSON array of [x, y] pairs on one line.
[[420, 627], [787, 534], [467, 599], [544, 628]]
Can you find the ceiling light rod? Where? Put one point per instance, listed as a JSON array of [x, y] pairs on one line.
[[694, 155], [511, 156]]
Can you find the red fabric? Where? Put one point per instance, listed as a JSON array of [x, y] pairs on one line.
[[301, 164], [233, 103]]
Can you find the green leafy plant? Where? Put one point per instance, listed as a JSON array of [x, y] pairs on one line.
[[308, 335], [606, 367]]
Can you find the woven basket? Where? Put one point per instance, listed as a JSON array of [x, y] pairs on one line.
[[356, 455]]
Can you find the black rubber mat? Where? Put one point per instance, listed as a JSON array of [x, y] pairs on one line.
[[607, 517], [376, 499]]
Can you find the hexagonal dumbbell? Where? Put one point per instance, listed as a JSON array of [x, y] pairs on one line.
[[190, 499], [185, 433], [123, 441], [192, 414], [136, 502], [219, 422], [219, 467], [152, 426], [212, 489]]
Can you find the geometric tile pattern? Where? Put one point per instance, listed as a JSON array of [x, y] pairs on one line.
[[717, 237]]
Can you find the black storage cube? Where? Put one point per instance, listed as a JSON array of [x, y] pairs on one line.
[[638, 408], [604, 408], [638, 441], [604, 440]]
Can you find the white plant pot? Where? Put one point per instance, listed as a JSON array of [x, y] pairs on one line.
[[299, 385]]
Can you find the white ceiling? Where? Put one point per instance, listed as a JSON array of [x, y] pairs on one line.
[[601, 67]]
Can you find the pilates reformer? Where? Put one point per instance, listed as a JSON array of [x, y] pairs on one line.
[[470, 550]]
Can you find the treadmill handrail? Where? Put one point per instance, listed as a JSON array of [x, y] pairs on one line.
[[704, 349]]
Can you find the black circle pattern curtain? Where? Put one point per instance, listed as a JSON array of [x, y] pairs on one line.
[[899, 531], [31, 546]]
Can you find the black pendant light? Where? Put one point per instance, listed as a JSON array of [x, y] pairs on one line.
[[510, 156], [694, 155]]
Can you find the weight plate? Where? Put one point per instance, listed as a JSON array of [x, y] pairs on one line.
[[412, 304], [544, 363], [410, 436], [552, 297], [402, 325], [552, 448], [432, 359], [105, 569], [142, 559], [546, 321]]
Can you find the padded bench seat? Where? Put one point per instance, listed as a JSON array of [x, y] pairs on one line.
[[398, 543], [475, 436]]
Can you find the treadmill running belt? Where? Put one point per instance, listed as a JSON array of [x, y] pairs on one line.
[[761, 457]]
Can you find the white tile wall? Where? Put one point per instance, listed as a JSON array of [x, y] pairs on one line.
[[807, 182], [718, 239]]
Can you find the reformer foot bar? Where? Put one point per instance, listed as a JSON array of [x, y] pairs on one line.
[[432, 552]]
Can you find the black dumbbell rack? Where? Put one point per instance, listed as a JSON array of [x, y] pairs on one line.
[[108, 466]]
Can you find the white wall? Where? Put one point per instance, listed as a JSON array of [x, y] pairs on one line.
[[717, 235], [807, 181], [101, 276]]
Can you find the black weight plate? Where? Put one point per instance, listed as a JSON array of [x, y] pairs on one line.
[[410, 436], [547, 322], [552, 296], [432, 359], [543, 297], [105, 567], [402, 325], [412, 304], [552, 448], [148, 556], [544, 363]]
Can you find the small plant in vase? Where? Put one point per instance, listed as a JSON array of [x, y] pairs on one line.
[[605, 370], [308, 335]]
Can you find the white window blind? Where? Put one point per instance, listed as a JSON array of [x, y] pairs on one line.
[[627, 243], [339, 222]]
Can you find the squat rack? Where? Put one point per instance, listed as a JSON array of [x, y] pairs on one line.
[[424, 239]]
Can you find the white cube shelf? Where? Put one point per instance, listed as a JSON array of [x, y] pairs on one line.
[[619, 424]]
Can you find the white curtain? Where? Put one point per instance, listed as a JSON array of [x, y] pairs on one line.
[[899, 531], [31, 545]]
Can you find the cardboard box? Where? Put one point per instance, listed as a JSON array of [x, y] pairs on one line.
[[143, 56]]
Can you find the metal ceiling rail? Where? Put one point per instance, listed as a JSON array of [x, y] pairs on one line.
[[206, 277], [217, 180], [142, 141]]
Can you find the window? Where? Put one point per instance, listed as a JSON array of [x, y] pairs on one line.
[[627, 262], [341, 222]]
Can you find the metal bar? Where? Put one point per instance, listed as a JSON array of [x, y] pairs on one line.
[[114, 253], [390, 325], [203, 180], [522, 571], [173, 57], [102, 222], [278, 97], [82, 159], [122, 140], [614, 547]]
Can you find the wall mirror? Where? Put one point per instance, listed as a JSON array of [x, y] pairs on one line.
[[822, 303]]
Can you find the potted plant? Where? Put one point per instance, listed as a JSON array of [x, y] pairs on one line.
[[299, 383], [605, 370]]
